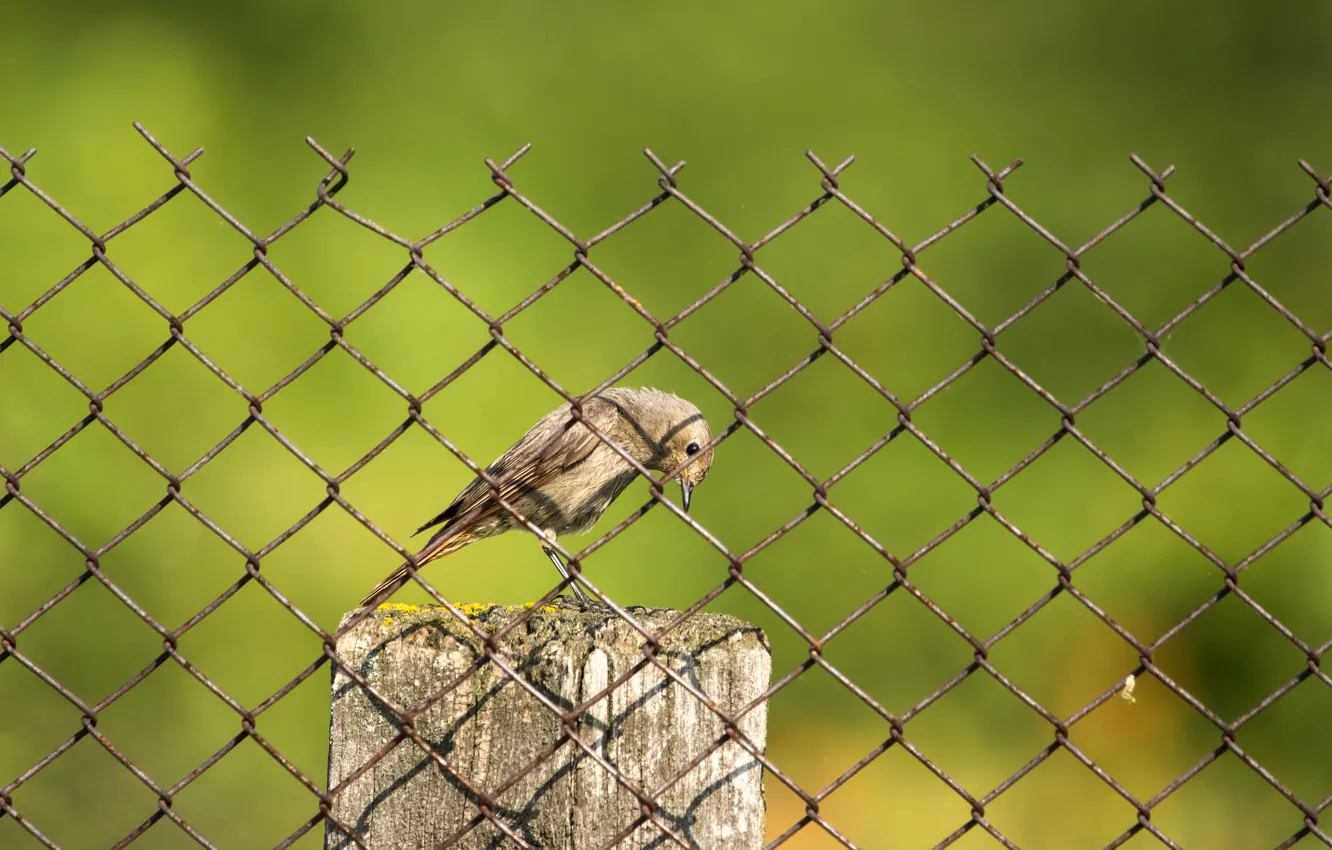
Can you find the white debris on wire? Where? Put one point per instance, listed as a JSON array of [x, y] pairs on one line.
[[1126, 691]]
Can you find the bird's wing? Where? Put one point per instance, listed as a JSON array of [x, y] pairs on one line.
[[532, 469], [528, 467]]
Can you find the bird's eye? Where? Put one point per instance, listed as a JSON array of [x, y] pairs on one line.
[[691, 449]]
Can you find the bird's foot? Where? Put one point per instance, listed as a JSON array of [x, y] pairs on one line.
[[583, 603]]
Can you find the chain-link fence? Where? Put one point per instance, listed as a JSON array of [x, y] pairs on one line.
[[1302, 812]]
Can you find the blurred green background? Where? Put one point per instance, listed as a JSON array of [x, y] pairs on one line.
[[1232, 93]]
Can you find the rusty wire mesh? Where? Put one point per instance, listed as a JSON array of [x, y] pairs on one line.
[[1305, 812]]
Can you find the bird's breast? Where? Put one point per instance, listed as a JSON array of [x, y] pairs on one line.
[[599, 494]]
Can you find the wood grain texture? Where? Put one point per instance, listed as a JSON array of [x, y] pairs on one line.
[[488, 729]]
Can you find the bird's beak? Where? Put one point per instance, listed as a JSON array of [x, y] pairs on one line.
[[686, 490]]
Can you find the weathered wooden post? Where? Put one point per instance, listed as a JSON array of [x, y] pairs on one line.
[[489, 728]]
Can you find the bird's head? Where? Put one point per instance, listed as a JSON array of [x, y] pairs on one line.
[[666, 433], [686, 445]]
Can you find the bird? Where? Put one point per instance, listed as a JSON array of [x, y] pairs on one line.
[[562, 477]]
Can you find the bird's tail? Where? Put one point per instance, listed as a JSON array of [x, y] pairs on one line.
[[432, 550]]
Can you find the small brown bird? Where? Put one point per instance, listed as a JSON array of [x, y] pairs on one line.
[[563, 478]]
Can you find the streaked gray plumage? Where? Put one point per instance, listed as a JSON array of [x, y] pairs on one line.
[[564, 487]]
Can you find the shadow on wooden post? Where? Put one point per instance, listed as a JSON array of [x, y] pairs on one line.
[[490, 728]]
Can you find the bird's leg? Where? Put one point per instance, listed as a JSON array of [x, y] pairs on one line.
[[584, 600]]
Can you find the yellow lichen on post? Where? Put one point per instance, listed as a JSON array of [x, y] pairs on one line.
[[388, 608], [389, 611], [548, 609], [398, 606], [475, 609]]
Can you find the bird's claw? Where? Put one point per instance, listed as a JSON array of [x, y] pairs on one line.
[[581, 602]]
